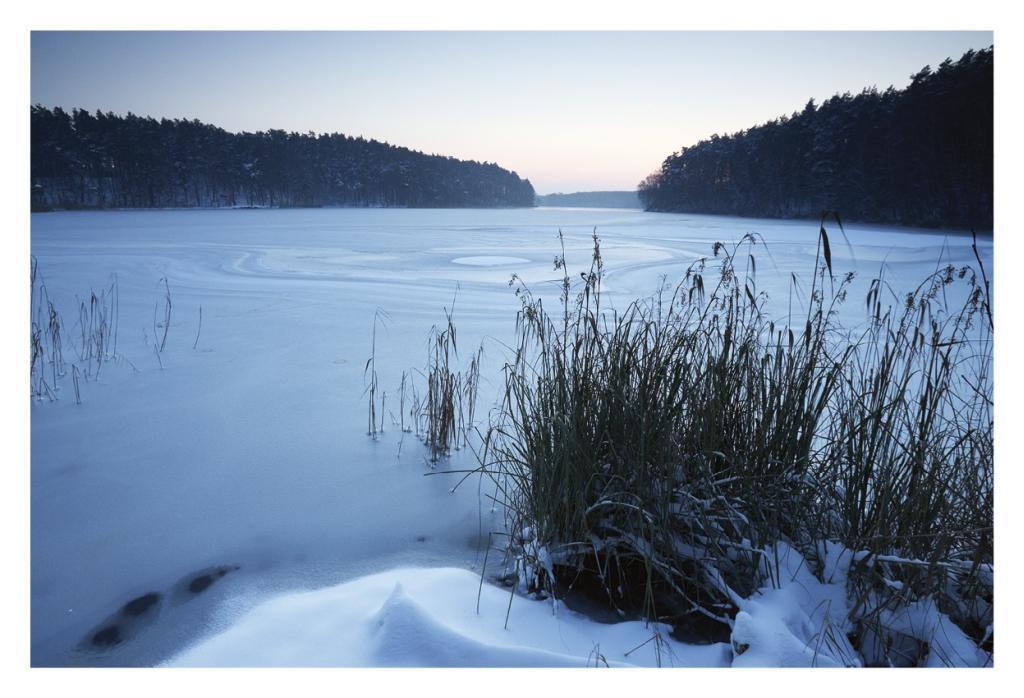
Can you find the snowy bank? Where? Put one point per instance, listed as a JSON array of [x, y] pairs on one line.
[[426, 617]]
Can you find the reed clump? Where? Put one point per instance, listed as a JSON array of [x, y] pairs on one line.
[[96, 334], [656, 454], [443, 415], [81, 350]]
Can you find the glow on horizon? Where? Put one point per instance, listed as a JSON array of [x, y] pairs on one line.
[[571, 111]]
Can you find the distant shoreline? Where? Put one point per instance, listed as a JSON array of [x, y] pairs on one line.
[[592, 199]]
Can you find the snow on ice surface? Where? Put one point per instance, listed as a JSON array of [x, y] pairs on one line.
[[427, 618], [251, 449], [421, 618], [489, 261]]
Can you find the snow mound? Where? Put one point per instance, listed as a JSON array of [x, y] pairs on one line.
[[947, 644], [426, 617], [797, 620], [408, 636]]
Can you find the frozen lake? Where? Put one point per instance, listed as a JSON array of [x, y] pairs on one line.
[[250, 450]]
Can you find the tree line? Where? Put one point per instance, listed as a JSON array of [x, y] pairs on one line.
[[917, 156], [102, 160]]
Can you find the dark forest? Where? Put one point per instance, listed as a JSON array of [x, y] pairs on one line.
[[101, 160], [917, 156]]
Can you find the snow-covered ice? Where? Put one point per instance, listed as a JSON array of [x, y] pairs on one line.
[[489, 261], [427, 617], [250, 449]]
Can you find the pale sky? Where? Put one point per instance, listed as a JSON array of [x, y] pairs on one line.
[[571, 111]]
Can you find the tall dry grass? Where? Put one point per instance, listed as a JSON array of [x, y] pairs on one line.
[[656, 454]]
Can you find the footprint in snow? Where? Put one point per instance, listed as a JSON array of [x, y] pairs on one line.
[[140, 612]]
